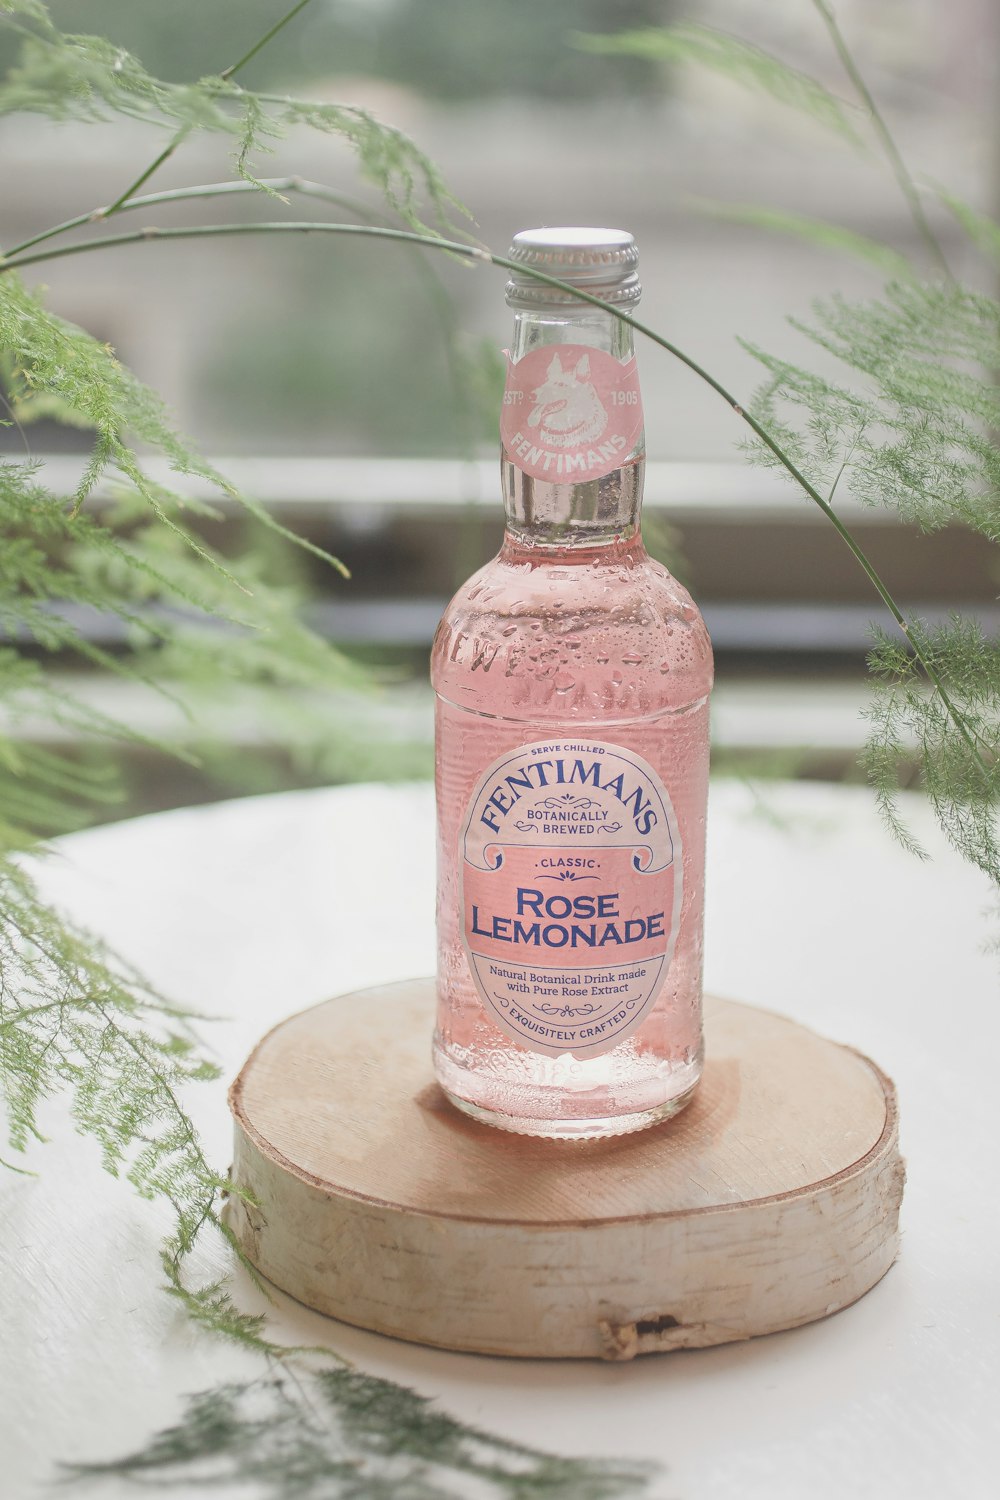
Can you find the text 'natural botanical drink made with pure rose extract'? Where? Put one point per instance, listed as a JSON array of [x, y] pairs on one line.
[[572, 676]]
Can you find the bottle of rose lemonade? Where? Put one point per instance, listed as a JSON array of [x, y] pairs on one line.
[[572, 675]]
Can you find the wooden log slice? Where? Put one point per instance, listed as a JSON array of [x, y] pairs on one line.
[[772, 1200]]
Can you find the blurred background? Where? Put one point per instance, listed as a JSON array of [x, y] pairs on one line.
[[354, 388]]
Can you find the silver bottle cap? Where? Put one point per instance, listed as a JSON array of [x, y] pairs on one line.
[[599, 261]]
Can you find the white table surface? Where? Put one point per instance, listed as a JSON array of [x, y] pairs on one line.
[[254, 909]]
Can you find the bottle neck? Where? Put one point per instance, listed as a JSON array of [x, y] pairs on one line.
[[583, 513]]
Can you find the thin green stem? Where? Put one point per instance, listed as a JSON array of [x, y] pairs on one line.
[[900, 170], [267, 37], [143, 177], [476, 254], [180, 195], [843, 467], [287, 226]]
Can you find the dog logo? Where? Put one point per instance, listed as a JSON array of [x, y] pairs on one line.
[[566, 409], [570, 413]]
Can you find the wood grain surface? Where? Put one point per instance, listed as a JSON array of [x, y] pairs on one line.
[[772, 1200]]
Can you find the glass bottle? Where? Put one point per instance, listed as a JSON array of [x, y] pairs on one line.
[[572, 677]]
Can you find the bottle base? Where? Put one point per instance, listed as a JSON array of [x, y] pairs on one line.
[[568, 1129]]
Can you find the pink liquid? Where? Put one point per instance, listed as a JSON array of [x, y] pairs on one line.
[[593, 639]]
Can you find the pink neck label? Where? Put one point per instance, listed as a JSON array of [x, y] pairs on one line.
[[570, 413], [571, 867]]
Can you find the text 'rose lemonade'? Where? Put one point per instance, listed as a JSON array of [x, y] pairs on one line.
[[572, 676]]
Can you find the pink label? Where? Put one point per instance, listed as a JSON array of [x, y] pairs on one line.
[[570, 413], [571, 893]]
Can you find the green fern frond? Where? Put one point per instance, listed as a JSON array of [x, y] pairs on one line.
[[76, 1021], [963, 787], [909, 427], [183, 605], [256, 133], [816, 232], [53, 794], [344, 1435], [73, 1018], [983, 231], [212, 1308], [32, 10], [742, 62], [912, 428], [87, 78]]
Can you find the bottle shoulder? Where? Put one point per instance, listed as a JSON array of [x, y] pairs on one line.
[[616, 587], [609, 633]]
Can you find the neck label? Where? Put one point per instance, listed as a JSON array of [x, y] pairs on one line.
[[570, 413], [570, 860]]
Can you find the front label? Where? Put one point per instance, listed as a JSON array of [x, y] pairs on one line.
[[571, 893], [570, 413]]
